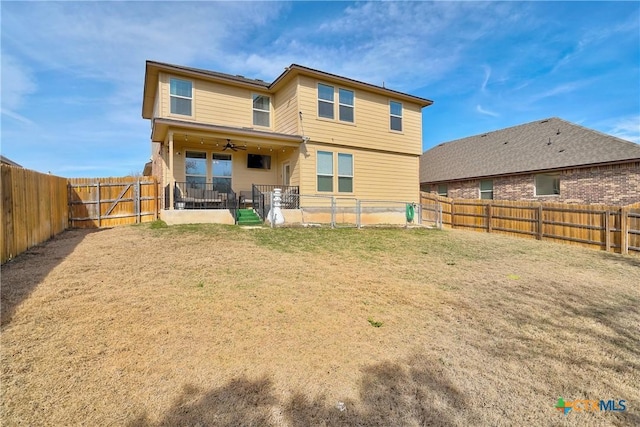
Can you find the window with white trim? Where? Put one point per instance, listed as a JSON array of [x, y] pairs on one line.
[[181, 95], [395, 114], [345, 173], [324, 170], [443, 190], [261, 110], [547, 184], [325, 101], [486, 189], [345, 99]]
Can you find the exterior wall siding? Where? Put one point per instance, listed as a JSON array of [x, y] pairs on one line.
[[611, 185], [377, 176], [371, 121], [285, 106], [215, 103]]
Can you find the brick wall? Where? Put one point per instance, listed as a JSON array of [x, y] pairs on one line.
[[612, 185]]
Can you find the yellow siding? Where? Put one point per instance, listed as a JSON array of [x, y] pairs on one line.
[[371, 126], [286, 109], [377, 176], [215, 103]]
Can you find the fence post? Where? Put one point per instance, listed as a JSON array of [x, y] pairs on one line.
[[540, 222], [607, 231], [98, 202], [333, 211], [624, 231], [156, 203], [358, 212], [137, 202], [489, 218], [453, 222]]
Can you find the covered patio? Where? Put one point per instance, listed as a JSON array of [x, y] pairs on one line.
[[213, 168]]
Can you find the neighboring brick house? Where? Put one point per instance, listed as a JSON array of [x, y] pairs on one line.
[[546, 160]]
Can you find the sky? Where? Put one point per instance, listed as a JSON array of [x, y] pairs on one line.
[[72, 73]]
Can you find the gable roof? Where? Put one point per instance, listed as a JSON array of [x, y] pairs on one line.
[[542, 145], [153, 69]]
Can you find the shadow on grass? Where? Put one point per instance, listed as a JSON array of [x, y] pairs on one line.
[[413, 393], [22, 275]]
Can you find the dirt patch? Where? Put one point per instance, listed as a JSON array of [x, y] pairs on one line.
[[223, 326]]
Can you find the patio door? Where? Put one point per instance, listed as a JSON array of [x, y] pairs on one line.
[[221, 172], [286, 173]]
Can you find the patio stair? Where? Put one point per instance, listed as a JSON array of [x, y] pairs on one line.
[[248, 217]]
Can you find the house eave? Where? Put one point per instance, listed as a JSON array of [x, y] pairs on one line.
[[295, 69], [153, 70], [161, 127]]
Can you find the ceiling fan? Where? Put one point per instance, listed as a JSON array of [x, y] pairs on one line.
[[233, 146]]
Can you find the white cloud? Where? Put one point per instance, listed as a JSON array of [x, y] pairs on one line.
[[487, 75], [17, 84], [481, 110], [626, 128], [16, 116]]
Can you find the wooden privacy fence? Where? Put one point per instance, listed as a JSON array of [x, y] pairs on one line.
[[34, 209], [108, 202], [611, 228]]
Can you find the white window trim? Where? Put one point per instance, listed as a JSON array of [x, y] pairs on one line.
[[398, 116], [352, 106], [253, 95], [171, 113], [333, 103], [332, 175], [345, 176]]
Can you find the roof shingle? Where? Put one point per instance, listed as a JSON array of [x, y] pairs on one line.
[[541, 145]]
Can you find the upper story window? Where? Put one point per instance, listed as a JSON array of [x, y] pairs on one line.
[[346, 105], [395, 112], [181, 96], [261, 110], [325, 101]]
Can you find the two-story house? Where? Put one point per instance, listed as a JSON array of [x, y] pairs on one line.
[[216, 137]]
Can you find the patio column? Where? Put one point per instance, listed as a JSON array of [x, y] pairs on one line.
[[172, 179]]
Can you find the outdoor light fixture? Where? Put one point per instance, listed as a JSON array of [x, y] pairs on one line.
[[201, 141]]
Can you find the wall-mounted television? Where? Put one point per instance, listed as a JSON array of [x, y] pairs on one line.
[[258, 161]]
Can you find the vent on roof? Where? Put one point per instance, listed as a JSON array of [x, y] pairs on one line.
[[506, 142], [260, 80], [238, 75], [549, 143], [561, 151], [482, 136], [558, 133], [544, 121]]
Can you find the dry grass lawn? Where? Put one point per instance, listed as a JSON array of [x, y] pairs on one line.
[[217, 325]]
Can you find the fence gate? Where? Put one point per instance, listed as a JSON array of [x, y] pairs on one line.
[[108, 202]]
